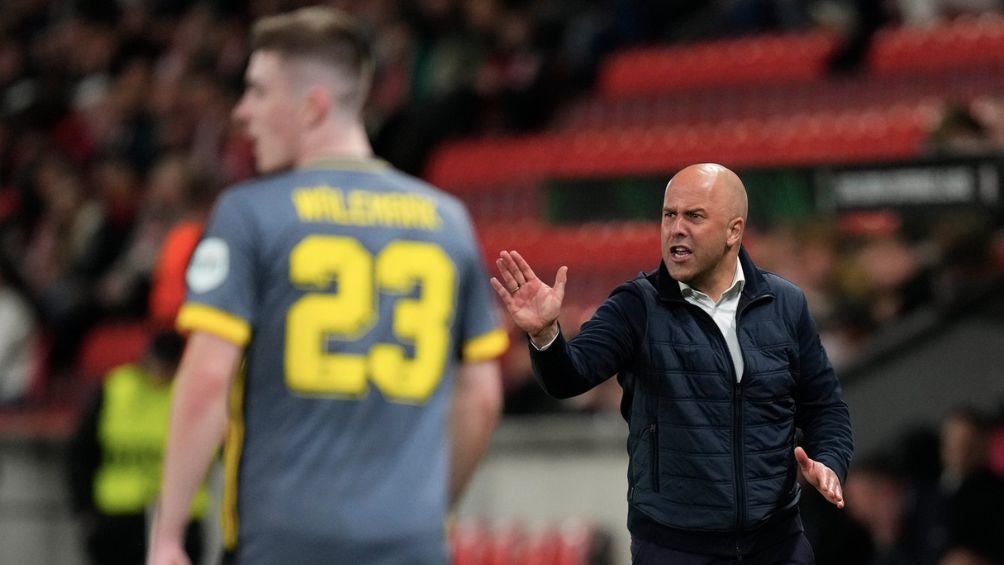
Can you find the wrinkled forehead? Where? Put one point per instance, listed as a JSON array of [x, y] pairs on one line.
[[707, 186], [692, 188]]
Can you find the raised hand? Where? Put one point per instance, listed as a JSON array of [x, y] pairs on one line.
[[821, 477], [533, 305]]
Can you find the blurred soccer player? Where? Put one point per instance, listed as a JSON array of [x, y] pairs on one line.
[[356, 298]]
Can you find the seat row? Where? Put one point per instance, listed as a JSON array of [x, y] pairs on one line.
[[865, 135], [621, 247], [966, 42], [568, 542], [845, 93]]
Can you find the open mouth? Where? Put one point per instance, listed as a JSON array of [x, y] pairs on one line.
[[680, 252]]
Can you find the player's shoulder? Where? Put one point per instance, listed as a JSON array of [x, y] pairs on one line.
[[256, 187], [425, 188], [260, 198]]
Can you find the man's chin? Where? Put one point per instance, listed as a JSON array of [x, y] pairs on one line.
[[678, 274]]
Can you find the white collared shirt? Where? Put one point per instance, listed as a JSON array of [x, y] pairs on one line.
[[723, 313]]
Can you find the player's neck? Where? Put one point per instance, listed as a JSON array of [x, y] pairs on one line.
[[335, 144]]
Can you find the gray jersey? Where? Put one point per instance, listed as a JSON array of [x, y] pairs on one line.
[[356, 290]]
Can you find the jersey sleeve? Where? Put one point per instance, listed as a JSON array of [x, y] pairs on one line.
[[482, 337], [221, 289]]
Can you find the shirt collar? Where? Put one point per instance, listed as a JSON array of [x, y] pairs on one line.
[[346, 163], [738, 283]]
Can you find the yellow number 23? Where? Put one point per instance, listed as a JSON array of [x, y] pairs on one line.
[[351, 311]]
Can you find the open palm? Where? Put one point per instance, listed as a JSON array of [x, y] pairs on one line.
[[533, 305]]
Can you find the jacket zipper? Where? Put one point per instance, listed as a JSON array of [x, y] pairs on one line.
[[737, 416], [737, 428], [737, 423]]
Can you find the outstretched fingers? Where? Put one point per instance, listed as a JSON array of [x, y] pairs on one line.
[[821, 477], [500, 289], [559, 282], [509, 272], [523, 268]]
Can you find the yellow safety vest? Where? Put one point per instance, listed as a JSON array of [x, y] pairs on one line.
[[132, 431]]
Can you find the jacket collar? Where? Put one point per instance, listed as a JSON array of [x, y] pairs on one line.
[[669, 288]]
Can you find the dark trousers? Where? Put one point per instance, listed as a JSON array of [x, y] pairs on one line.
[[794, 550], [121, 540]]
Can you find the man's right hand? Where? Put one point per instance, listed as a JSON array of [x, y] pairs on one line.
[[533, 305]]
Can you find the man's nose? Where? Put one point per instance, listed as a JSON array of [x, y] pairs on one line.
[[238, 115], [239, 118], [676, 225]]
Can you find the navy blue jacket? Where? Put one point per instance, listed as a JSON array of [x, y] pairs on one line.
[[711, 464]]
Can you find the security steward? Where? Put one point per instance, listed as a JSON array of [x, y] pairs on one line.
[[116, 455]]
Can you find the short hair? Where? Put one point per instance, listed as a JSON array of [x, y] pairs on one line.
[[322, 34]]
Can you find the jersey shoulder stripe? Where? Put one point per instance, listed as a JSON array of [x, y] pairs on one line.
[[486, 346], [200, 317]]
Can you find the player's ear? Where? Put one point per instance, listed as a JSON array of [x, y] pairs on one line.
[[317, 105]]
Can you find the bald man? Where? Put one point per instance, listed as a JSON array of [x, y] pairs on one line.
[[720, 363]]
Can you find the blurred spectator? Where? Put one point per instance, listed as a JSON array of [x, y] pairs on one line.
[[878, 497], [891, 266], [921, 12], [70, 245], [196, 195], [973, 128], [18, 344], [989, 111], [965, 557], [123, 288], [973, 495], [465, 68], [995, 446], [858, 21], [836, 538], [961, 249], [115, 458]]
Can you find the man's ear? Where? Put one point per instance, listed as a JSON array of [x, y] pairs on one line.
[[736, 228], [317, 105]]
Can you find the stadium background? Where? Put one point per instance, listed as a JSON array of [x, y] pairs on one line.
[[870, 136]]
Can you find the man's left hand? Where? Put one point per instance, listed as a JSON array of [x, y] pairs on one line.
[[821, 477]]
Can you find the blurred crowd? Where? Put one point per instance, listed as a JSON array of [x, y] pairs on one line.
[[114, 131], [934, 497], [115, 138]]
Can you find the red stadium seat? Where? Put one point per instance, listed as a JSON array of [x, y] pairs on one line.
[[975, 41], [111, 344], [867, 134], [746, 61], [566, 542]]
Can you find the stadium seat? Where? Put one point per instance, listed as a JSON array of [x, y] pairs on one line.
[[111, 344], [966, 42], [745, 61], [867, 134], [562, 542]]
